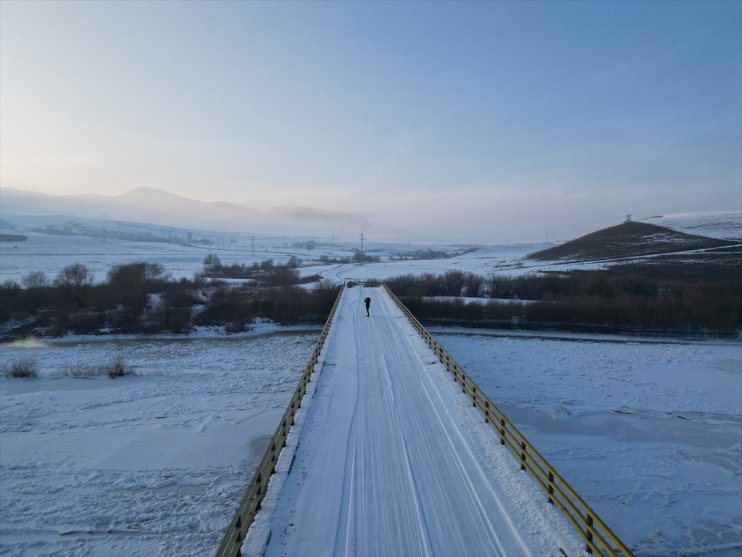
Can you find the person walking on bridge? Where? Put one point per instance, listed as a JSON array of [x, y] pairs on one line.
[[368, 305]]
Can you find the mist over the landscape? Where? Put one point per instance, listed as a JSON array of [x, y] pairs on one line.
[[376, 277], [160, 208], [466, 122]]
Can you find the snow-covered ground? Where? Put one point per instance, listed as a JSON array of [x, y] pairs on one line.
[[151, 464], [487, 260], [649, 432], [50, 253], [481, 301], [726, 225]]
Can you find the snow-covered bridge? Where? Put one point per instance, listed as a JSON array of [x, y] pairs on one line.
[[386, 456]]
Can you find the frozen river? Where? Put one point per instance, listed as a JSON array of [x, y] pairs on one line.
[[650, 434], [145, 465]]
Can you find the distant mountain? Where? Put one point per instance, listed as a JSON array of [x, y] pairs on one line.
[[630, 239], [145, 205], [158, 207]]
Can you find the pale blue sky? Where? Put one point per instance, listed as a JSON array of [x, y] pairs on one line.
[[482, 121]]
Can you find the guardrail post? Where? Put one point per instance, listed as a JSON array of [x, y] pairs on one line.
[[589, 533], [486, 411], [522, 455], [502, 431], [551, 487], [473, 396], [259, 490]]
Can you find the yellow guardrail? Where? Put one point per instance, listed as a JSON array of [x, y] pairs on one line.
[[249, 505], [599, 539]]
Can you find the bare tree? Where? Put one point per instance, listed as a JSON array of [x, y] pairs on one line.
[[212, 266], [135, 274], [75, 278], [35, 279], [131, 283]]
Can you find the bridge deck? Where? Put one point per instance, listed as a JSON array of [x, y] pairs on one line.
[[389, 458]]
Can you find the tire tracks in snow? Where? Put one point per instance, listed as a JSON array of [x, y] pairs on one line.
[[466, 478], [345, 517], [390, 469]]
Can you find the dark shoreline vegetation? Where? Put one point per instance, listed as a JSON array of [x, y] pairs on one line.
[[143, 298], [667, 298]]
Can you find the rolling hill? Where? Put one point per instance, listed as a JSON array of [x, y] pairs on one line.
[[629, 239]]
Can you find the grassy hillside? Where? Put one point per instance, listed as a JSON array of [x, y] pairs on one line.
[[630, 239]]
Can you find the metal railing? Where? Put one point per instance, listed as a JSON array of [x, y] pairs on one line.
[[598, 537], [249, 505]]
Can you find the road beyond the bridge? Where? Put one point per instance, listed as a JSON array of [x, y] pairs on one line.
[[388, 458]]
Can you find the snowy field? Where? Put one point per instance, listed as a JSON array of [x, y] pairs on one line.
[[648, 432], [146, 465], [50, 253], [725, 225]]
